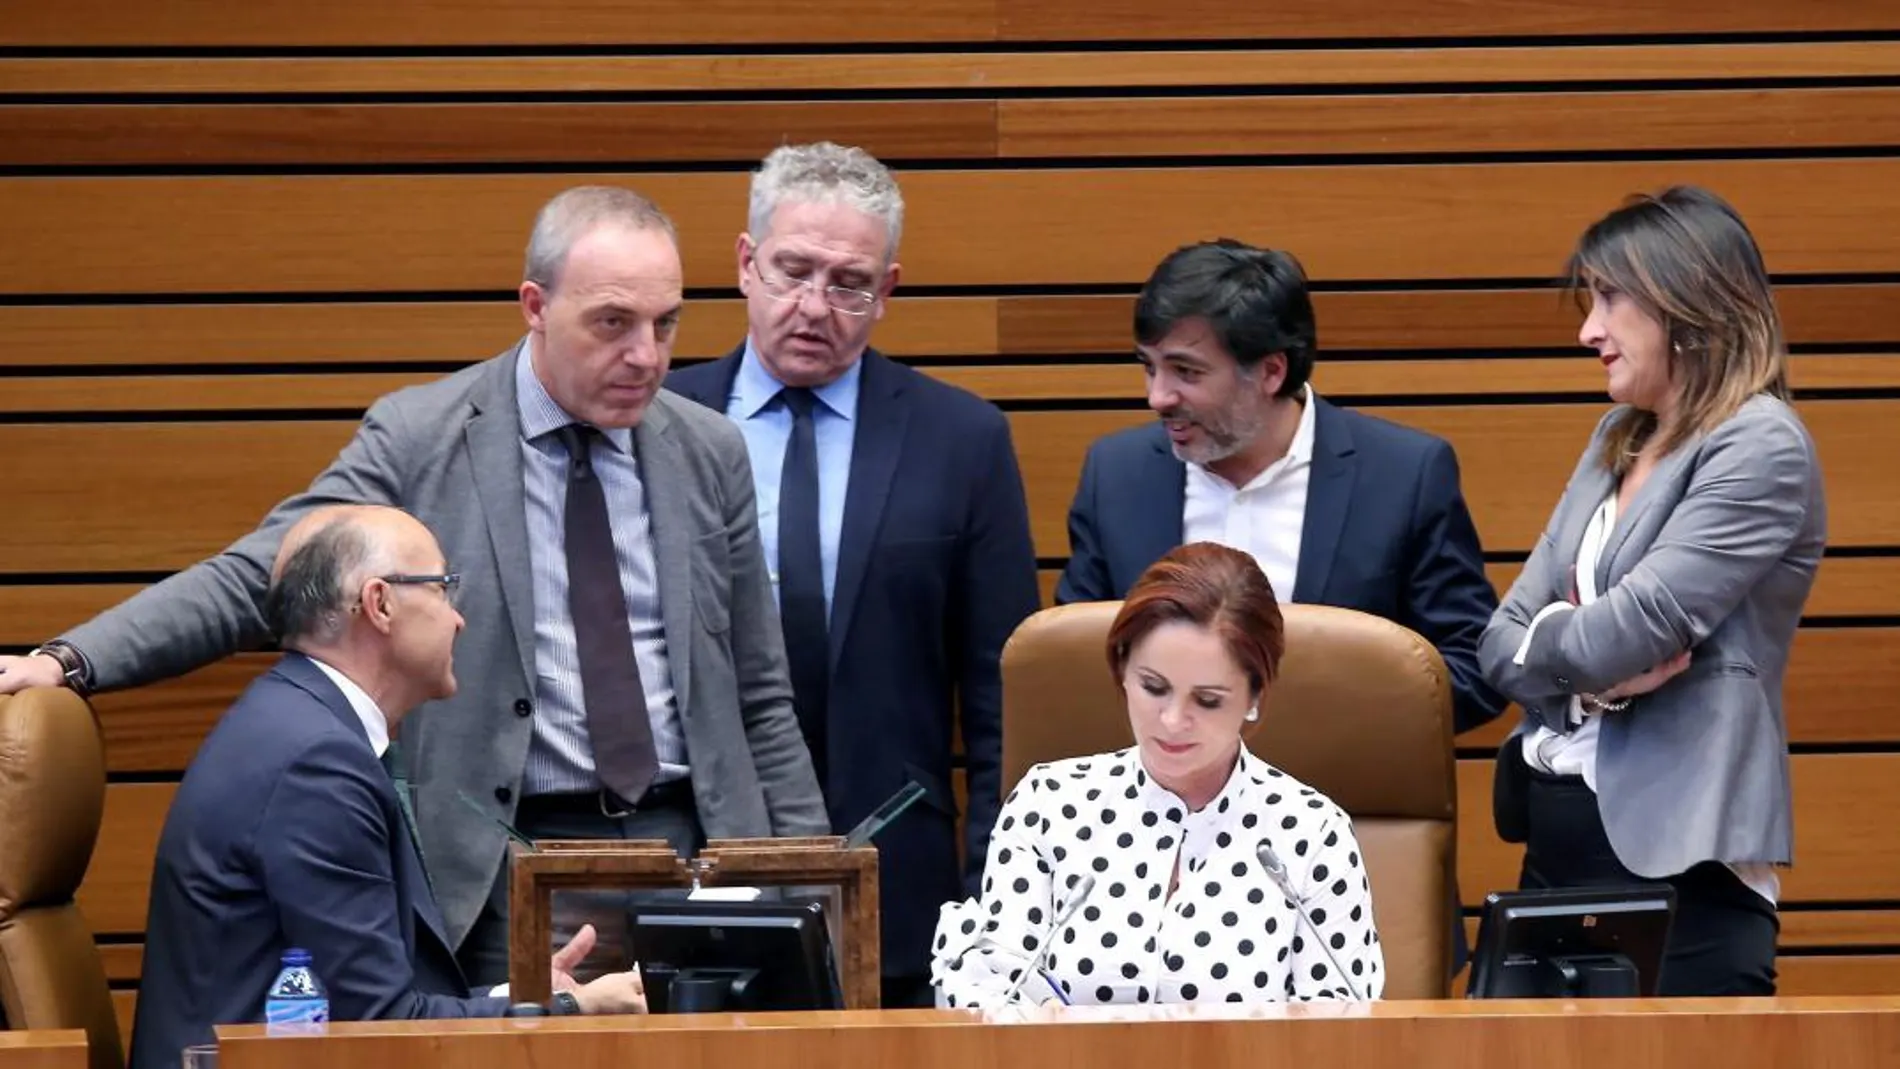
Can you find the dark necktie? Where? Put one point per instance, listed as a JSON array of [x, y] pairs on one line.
[[801, 576], [394, 766], [616, 702]]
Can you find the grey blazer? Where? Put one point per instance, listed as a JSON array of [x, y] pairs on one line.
[[1715, 555], [450, 452]]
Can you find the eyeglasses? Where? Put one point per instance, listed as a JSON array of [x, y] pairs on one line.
[[841, 298], [448, 582]]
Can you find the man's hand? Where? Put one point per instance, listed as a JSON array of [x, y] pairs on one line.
[[569, 957], [19, 673], [1648, 681], [620, 992], [616, 992]]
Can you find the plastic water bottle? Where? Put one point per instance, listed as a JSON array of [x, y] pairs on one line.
[[297, 1001]]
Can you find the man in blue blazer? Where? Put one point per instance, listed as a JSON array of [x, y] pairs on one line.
[[895, 529], [1339, 508], [287, 830]]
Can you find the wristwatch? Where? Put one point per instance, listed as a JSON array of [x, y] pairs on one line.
[[565, 1004], [72, 665]]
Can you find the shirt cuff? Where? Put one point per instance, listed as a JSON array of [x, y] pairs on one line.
[[1524, 647], [498, 991]]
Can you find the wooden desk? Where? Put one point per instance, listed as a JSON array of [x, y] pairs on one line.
[[1840, 1033], [64, 1048]]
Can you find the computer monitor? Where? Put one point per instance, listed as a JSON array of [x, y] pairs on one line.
[[734, 956], [1572, 943]]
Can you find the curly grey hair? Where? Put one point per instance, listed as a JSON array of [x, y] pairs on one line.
[[826, 173]]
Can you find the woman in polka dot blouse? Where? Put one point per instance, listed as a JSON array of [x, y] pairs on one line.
[[1180, 907]]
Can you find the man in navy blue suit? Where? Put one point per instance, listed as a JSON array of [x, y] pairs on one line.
[[894, 526], [287, 830], [1338, 507]]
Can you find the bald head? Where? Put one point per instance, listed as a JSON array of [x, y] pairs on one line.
[[325, 559]]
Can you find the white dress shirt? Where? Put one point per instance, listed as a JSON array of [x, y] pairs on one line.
[[1262, 519], [1575, 754], [1220, 932], [365, 707]]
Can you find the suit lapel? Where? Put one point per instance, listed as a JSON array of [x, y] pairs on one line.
[[298, 670], [668, 516], [1329, 490], [883, 416], [717, 388], [1651, 496], [1148, 532], [493, 436]]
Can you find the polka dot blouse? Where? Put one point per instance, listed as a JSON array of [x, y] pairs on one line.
[[1225, 932]]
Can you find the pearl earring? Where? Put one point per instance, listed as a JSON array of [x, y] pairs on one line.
[[1253, 714]]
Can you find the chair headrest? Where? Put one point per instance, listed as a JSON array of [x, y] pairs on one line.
[[1361, 710], [52, 796]]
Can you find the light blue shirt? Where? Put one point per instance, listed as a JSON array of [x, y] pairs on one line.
[[766, 423], [561, 754]]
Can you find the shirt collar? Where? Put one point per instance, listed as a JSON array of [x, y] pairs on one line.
[[753, 387], [374, 722], [540, 414], [1300, 450], [1247, 770]]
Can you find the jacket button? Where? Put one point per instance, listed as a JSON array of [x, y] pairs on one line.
[[503, 795], [523, 707]]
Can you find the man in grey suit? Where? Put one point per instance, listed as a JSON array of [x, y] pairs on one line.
[[648, 697]]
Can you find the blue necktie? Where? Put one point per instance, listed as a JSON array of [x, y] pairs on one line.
[[801, 576]]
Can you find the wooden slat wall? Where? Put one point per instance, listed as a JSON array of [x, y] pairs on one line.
[[232, 225]]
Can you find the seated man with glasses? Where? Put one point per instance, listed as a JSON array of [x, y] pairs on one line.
[[895, 530], [287, 830]]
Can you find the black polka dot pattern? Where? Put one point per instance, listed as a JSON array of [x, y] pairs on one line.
[[1210, 925]]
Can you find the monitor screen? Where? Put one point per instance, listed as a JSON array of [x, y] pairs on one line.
[[1573, 943], [734, 956]]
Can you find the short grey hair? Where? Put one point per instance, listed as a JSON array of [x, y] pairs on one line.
[[310, 599], [826, 173], [575, 212]]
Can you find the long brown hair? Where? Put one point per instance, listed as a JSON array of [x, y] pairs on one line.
[[1687, 259], [1214, 587]]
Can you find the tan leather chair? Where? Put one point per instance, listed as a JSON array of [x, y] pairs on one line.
[[52, 794], [1361, 711]]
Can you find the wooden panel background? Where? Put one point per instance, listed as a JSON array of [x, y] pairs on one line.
[[232, 225]]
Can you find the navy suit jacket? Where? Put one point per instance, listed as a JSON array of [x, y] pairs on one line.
[[935, 570], [286, 833], [1386, 533]]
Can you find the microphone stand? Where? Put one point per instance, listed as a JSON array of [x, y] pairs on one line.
[[1276, 869]]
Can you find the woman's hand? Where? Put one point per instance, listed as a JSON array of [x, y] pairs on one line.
[[1648, 681]]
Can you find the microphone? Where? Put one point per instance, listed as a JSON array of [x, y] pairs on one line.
[[1083, 890], [1276, 869]]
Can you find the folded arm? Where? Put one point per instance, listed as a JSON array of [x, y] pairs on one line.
[[1745, 505]]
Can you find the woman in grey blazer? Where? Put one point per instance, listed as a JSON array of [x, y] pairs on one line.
[[1647, 636]]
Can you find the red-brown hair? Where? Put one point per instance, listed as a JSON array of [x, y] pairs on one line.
[[1215, 587]]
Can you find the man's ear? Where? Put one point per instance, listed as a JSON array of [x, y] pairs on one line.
[[1270, 373], [534, 305], [378, 602], [891, 275], [743, 251]]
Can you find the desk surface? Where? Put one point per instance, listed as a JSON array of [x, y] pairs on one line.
[[1841, 1033], [48, 1049]]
